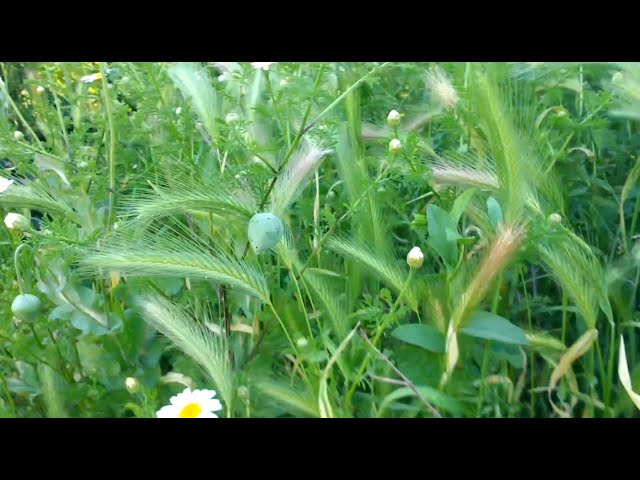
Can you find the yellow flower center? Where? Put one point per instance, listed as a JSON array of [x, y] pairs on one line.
[[191, 410]]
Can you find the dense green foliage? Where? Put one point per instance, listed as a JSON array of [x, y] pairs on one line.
[[247, 228]]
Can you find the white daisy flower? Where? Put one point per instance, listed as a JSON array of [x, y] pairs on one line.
[[191, 404], [5, 183], [91, 78], [263, 65]]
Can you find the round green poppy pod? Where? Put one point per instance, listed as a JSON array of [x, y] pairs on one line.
[[26, 307], [265, 231]]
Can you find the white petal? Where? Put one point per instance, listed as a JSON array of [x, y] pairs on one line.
[[203, 395], [168, 411], [212, 405], [182, 398], [205, 414]]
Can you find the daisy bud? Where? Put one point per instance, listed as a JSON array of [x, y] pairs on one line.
[[394, 118], [15, 221], [617, 77], [178, 110], [555, 218], [232, 118], [243, 392], [302, 342], [82, 165], [284, 83], [18, 136], [39, 89], [415, 258], [133, 385], [395, 146]]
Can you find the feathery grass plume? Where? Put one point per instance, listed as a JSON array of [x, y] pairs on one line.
[[353, 171], [441, 88], [544, 342], [35, 195], [295, 178], [501, 252], [506, 146], [330, 300], [579, 273], [384, 267], [194, 340], [623, 374], [452, 354], [166, 253], [626, 87], [180, 194], [573, 353], [324, 405], [537, 70], [192, 79], [464, 172], [281, 392]]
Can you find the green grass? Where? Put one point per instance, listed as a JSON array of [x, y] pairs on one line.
[[518, 182]]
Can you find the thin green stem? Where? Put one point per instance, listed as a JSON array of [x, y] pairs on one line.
[[532, 376], [301, 302], [56, 101], [345, 93], [16, 263], [112, 144], [483, 374], [276, 110], [565, 305]]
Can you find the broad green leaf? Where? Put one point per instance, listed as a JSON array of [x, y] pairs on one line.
[[460, 204], [443, 235], [490, 326], [420, 335], [435, 397], [88, 325], [495, 212]]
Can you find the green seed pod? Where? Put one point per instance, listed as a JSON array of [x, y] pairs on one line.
[[265, 230], [26, 307]]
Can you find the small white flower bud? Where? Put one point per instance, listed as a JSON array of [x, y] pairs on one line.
[[243, 392], [394, 118], [302, 342], [39, 89], [232, 118], [555, 218], [132, 385], [617, 77], [15, 221], [415, 258], [18, 136], [395, 146], [284, 83], [178, 110]]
